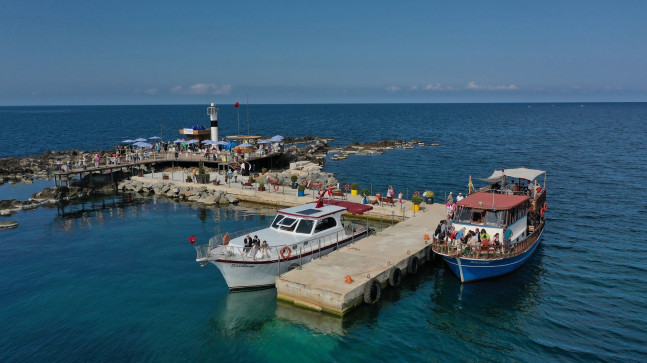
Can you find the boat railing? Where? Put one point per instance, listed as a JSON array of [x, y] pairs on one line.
[[310, 247], [219, 238], [516, 247]]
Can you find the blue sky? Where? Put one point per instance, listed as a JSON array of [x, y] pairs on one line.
[[171, 52]]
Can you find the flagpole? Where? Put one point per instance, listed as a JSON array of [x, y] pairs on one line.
[[238, 109], [248, 132]]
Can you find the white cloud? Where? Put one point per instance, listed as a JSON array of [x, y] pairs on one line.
[[203, 89], [475, 86], [152, 91], [393, 89]]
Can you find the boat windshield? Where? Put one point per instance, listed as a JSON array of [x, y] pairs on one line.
[[287, 224], [277, 219], [305, 226]]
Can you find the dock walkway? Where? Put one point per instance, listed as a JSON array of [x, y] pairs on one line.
[[320, 285]]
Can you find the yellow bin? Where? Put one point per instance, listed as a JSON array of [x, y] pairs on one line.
[[415, 207], [353, 192]]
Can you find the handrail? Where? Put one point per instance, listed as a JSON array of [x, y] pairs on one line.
[[510, 250], [217, 249]]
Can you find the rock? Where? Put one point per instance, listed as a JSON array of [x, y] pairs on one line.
[[8, 224], [230, 198]]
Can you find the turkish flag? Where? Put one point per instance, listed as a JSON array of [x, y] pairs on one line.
[[192, 239], [236, 104]]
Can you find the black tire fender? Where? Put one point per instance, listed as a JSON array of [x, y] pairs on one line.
[[413, 265], [372, 291], [395, 277], [429, 254]]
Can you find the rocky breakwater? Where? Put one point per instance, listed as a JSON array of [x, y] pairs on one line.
[[198, 193], [315, 153]]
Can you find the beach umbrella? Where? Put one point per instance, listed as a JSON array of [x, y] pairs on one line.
[[192, 141], [223, 143], [155, 138], [245, 145], [265, 142], [178, 140], [129, 141], [277, 138], [208, 142], [143, 145], [141, 139]]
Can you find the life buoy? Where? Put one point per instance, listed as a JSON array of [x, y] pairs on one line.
[[225, 239], [372, 291], [347, 187], [235, 165], [276, 187], [416, 193], [286, 248], [304, 182]]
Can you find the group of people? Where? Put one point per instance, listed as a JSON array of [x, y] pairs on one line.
[[477, 240], [252, 246]]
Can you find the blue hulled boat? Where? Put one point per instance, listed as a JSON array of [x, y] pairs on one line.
[[508, 215]]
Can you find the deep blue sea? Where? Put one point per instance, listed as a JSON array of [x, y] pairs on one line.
[[119, 282]]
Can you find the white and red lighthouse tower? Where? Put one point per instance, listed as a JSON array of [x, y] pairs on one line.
[[212, 111]]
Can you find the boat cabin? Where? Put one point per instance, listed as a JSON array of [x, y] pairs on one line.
[[493, 211], [308, 220]]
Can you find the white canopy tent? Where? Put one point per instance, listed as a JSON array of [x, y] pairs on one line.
[[521, 173]]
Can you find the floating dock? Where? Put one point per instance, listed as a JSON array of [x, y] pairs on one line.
[[323, 284]]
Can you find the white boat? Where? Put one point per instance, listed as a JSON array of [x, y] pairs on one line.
[[296, 236]]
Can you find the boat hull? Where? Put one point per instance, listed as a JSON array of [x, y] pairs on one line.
[[240, 275], [470, 269]]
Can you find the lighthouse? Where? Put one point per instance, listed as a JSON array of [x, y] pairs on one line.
[[212, 111]]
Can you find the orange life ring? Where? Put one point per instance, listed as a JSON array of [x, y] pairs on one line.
[[225, 239], [545, 207], [304, 182], [347, 187], [416, 193], [283, 252], [276, 187]]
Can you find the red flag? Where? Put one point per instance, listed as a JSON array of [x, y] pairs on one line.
[[236, 104], [192, 239]]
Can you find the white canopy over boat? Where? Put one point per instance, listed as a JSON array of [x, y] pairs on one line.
[[522, 173]]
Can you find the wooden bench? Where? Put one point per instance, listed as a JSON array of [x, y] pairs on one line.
[[338, 194], [388, 201], [247, 184], [315, 185]]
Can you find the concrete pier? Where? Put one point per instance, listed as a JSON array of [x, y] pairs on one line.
[[321, 284]]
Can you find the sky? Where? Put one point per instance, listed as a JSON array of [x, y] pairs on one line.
[[290, 52]]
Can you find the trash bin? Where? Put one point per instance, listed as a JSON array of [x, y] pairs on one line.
[[176, 154]]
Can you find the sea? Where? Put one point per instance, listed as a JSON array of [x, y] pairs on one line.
[[115, 279]]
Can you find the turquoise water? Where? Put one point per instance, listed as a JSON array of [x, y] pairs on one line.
[[121, 282]]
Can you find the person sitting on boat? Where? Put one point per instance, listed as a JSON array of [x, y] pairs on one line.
[[256, 246], [460, 235], [496, 242], [248, 244], [484, 235], [473, 242], [265, 250], [451, 234]]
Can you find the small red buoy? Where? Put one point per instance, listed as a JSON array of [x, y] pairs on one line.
[[348, 280]]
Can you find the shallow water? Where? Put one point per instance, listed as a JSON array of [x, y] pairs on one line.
[[121, 282]]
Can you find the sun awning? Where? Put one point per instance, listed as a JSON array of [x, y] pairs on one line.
[[354, 208], [522, 173]]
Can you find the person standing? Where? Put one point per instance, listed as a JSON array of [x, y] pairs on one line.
[[400, 198], [450, 199], [459, 197]]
